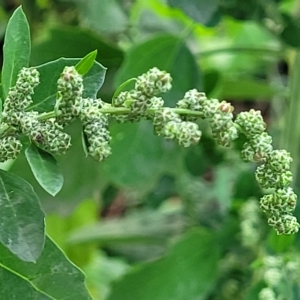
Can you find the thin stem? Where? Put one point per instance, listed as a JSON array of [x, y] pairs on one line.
[[250, 50], [291, 131]]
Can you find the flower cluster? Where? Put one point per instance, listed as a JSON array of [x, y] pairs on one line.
[[179, 124], [274, 272], [273, 172], [144, 94], [279, 205], [95, 127], [219, 115], [70, 90]]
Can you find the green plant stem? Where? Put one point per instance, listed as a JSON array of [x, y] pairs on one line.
[[250, 50], [291, 131]]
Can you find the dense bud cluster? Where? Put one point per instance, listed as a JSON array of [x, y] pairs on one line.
[[143, 96], [10, 148], [95, 127], [70, 90], [273, 173], [144, 101]]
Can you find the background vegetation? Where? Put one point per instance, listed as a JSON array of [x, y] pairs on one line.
[[156, 221]]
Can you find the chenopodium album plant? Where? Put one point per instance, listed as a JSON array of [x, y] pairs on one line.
[[24, 119], [45, 130]]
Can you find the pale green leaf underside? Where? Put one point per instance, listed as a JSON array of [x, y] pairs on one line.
[[45, 169]]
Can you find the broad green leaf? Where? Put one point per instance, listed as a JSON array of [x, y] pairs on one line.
[[45, 94], [53, 276], [21, 218], [16, 49], [248, 88], [188, 271], [45, 169], [202, 11], [166, 52], [74, 42], [112, 18], [139, 157], [86, 63]]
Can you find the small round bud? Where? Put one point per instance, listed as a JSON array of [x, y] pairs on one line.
[[251, 122], [153, 82], [10, 148]]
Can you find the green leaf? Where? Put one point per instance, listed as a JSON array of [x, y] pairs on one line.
[[53, 276], [139, 157], [45, 94], [166, 52], [113, 17], [143, 227], [86, 63], [189, 271], [45, 169], [202, 11], [21, 218], [242, 87], [16, 49], [73, 41], [121, 87]]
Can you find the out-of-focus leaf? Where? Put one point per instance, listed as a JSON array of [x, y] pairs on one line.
[[16, 50], [188, 271], [143, 227], [280, 243], [101, 272], [202, 11], [21, 218], [166, 52], [45, 169], [53, 276], [74, 42], [248, 88], [86, 63], [45, 94], [105, 16], [59, 227], [291, 31], [139, 156]]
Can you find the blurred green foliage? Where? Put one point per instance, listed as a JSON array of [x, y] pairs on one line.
[[165, 222]]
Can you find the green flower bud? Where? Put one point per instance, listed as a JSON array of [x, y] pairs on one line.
[[279, 160], [162, 117], [19, 96], [210, 108], [10, 148], [251, 122], [225, 137], [193, 100], [268, 179], [153, 82], [261, 143], [70, 90], [121, 98], [188, 134], [156, 102], [170, 130]]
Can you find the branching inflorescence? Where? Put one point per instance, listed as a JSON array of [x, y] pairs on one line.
[[46, 129]]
